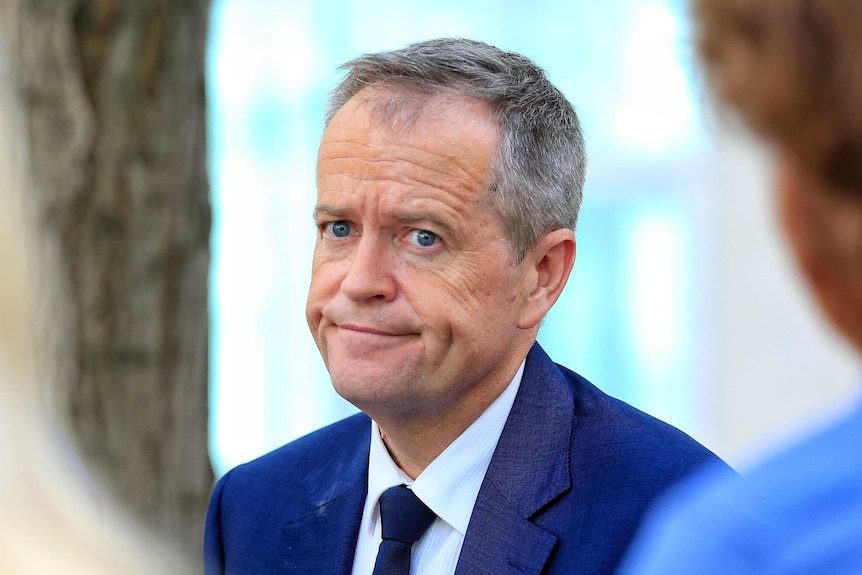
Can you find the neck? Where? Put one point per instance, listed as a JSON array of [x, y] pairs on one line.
[[416, 439], [414, 451]]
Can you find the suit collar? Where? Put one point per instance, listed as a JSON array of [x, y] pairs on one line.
[[531, 463], [530, 468]]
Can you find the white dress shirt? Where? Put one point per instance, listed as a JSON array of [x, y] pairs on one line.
[[448, 486]]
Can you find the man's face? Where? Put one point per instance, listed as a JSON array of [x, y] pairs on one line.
[[414, 299]]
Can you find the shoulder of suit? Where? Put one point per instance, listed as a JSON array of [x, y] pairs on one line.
[[327, 446]]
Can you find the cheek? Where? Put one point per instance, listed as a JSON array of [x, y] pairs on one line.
[[466, 295], [312, 311], [804, 224], [324, 283], [326, 273]]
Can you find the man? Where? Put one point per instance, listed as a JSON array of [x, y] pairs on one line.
[[792, 68], [449, 181]]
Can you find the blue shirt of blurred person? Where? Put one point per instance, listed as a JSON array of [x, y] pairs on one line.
[[798, 513]]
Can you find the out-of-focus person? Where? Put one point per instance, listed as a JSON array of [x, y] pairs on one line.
[[793, 70], [52, 520]]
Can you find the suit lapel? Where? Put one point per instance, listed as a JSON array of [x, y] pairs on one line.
[[323, 538], [327, 536], [529, 469]]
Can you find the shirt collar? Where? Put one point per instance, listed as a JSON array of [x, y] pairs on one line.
[[450, 484]]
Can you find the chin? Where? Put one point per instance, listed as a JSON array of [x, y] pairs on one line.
[[372, 393], [359, 388]]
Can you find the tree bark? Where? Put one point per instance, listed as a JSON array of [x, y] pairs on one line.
[[113, 94]]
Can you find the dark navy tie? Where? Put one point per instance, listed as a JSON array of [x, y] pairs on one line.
[[404, 518]]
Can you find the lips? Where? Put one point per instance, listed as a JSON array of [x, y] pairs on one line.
[[373, 330], [359, 321]]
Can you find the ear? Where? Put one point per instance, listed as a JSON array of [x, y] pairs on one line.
[[547, 269]]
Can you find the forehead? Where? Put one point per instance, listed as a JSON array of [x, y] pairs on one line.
[[405, 110], [379, 136]]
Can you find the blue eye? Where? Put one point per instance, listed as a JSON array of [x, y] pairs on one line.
[[424, 238], [339, 229]]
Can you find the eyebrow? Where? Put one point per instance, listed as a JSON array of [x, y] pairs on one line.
[[420, 216], [328, 210], [334, 211]]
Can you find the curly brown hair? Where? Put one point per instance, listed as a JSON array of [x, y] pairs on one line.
[[793, 68]]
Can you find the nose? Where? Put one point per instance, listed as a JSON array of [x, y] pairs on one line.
[[369, 275]]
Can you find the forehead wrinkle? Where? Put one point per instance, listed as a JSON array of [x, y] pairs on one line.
[[404, 171]]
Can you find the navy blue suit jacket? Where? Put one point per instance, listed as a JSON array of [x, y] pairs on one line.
[[571, 477]]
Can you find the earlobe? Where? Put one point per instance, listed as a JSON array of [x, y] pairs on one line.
[[551, 261]]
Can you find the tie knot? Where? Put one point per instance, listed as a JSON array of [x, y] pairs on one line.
[[403, 516]]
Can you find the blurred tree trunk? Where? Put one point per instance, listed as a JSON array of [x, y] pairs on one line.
[[114, 104]]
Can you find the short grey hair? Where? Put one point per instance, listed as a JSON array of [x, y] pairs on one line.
[[539, 170]]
